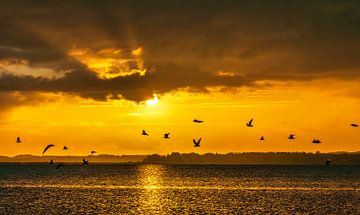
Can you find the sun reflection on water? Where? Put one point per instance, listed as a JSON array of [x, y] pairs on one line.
[[151, 179]]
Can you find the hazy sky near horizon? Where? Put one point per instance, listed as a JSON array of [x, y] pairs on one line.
[[92, 74]]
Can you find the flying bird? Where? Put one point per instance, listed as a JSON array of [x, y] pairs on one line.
[[59, 166], [166, 135], [315, 141], [18, 140], [291, 137], [249, 124], [144, 133], [65, 148], [85, 162], [354, 125], [198, 121], [48, 147], [93, 152], [197, 143], [262, 138]]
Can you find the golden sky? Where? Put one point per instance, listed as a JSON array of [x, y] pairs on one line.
[[92, 75]]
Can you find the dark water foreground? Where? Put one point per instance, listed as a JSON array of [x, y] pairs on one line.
[[177, 189]]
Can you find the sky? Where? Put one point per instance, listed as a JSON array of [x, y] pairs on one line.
[[92, 75]]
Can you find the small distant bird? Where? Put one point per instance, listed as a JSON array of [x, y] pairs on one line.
[[48, 147], [166, 135], [65, 148], [85, 162], [198, 121], [51, 162], [18, 140], [197, 143], [291, 137], [262, 138], [354, 125], [59, 166], [328, 162], [316, 141], [93, 152], [249, 124], [144, 133]]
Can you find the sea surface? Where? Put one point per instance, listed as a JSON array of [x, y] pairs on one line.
[[179, 189]]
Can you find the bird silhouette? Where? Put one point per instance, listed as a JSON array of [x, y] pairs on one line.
[[85, 162], [198, 121], [59, 166], [51, 162], [65, 148], [249, 124], [197, 143], [262, 138], [354, 125], [18, 140], [166, 135], [328, 162], [48, 147], [291, 137], [93, 152], [315, 141], [144, 133]]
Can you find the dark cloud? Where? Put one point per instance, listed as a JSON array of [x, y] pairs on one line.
[[185, 43]]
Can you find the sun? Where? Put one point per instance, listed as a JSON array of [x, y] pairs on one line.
[[152, 102]]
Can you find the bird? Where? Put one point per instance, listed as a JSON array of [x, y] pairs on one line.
[[59, 166], [262, 138], [85, 162], [51, 162], [196, 143], [328, 162], [291, 137], [18, 140], [198, 121], [48, 147], [166, 135], [315, 141], [354, 125], [144, 133], [249, 124], [65, 148], [93, 152]]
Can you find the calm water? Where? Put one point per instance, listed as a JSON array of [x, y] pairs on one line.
[[176, 189]]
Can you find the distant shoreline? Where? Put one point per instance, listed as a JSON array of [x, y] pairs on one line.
[[242, 158]]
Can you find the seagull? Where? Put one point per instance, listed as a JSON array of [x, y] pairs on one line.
[[316, 141], [51, 162], [65, 148], [354, 125], [18, 140], [262, 138], [166, 135], [144, 133], [85, 162], [196, 143], [93, 152], [328, 162], [48, 147], [59, 166], [249, 124], [291, 137], [198, 121]]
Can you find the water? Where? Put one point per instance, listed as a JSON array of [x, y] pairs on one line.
[[179, 189]]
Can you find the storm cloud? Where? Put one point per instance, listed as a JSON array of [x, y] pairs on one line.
[[186, 44]]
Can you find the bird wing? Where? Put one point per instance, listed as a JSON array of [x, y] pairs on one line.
[[198, 142], [251, 121], [46, 148]]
